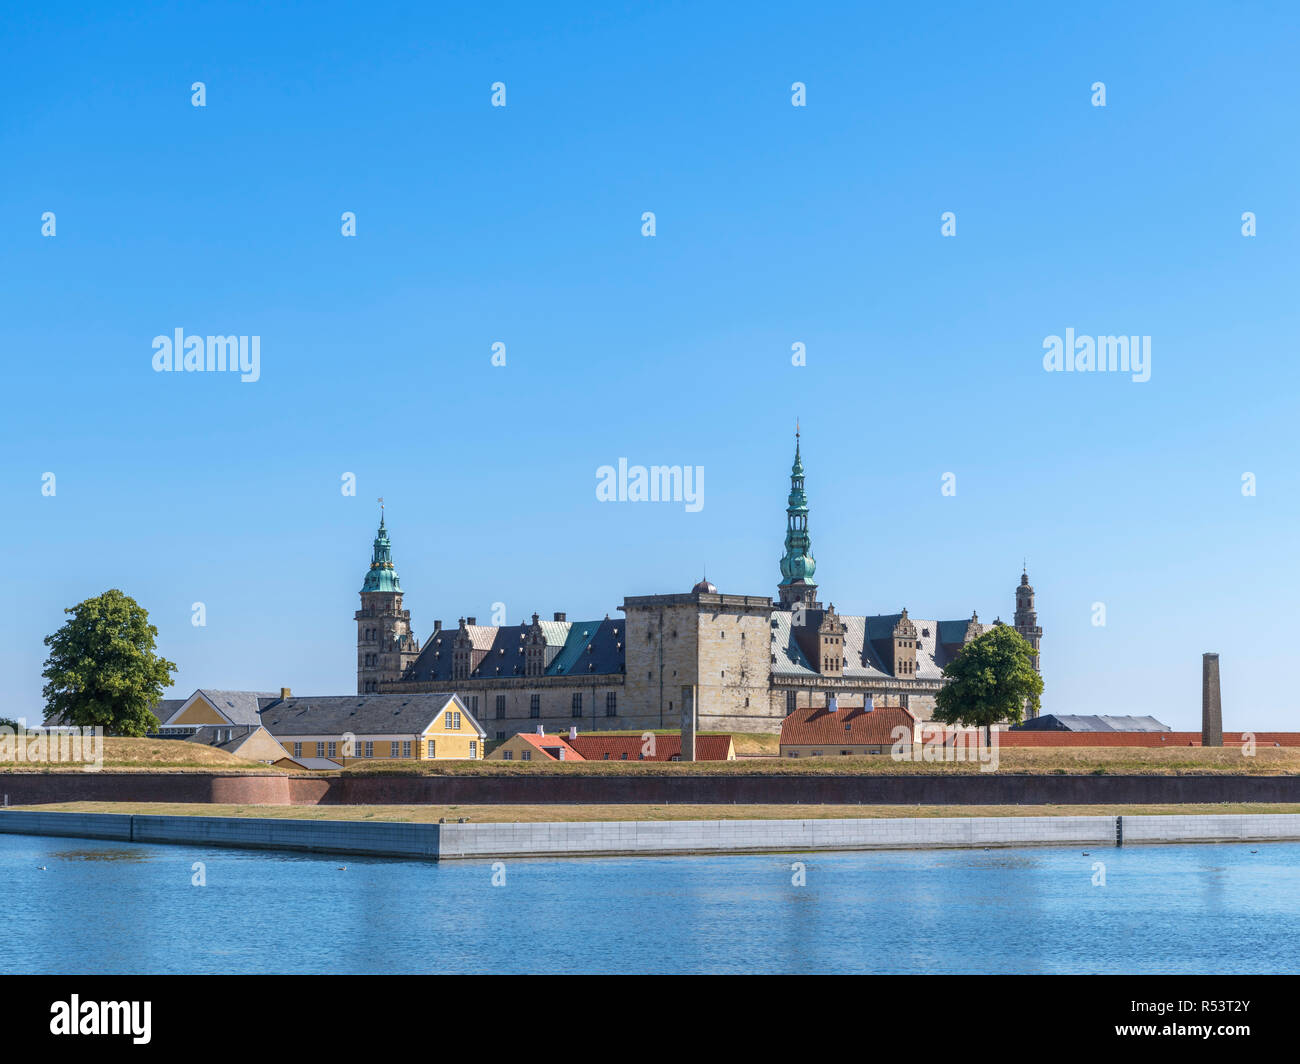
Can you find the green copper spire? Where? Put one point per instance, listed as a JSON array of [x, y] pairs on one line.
[[382, 576], [797, 564]]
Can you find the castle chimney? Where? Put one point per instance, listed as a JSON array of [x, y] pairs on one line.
[[1211, 702], [559, 616], [471, 620], [437, 626], [285, 692]]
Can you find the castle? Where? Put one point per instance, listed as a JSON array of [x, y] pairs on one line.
[[746, 661]]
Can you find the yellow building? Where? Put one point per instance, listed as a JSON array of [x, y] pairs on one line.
[[339, 728], [351, 728]]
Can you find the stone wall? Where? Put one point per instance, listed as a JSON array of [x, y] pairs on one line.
[[640, 786], [484, 841]]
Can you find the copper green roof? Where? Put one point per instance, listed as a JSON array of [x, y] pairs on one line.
[[382, 576], [797, 563]]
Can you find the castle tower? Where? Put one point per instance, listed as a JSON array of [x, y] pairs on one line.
[[1026, 618], [385, 645], [797, 564]]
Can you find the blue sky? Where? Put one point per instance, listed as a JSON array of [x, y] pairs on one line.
[[774, 225]]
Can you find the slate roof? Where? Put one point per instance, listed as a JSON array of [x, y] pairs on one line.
[[399, 714], [210, 733], [1098, 723], [162, 709], [567, 651], [239, 707], [867, 642], [816, 726]]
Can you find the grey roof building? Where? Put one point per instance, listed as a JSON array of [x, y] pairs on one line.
[[1100, 723], [391, 714]]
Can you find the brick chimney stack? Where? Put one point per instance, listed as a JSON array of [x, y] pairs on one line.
[[1211, 702]]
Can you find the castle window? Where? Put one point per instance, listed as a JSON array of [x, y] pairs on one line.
[[791, 701], [611, 704], [501, 707], [577, 704], [534, 705]]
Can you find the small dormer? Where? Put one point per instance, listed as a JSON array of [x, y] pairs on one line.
[[534, 649], [830, 643], [461, 650], [905, 640]]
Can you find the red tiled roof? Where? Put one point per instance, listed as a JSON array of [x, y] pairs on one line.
[[546, 743], [816, 726], [594, 747]]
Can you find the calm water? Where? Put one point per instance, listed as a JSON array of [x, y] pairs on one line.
[[117, 907]]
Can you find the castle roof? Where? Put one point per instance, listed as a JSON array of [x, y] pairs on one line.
[[573, 648], [867, 640]]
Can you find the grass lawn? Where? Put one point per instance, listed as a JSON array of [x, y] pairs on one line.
[[152, 755], [1081, 761], [498, 814], [142, 755]]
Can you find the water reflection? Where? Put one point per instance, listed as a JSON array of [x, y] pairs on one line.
[[103, 855], [1162, 909]]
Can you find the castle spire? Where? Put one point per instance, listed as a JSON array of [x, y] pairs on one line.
[[1026, 619], [797, 564], [381, 575]]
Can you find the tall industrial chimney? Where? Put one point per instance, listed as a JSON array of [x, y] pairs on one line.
[[690, 723], [1211, 702]]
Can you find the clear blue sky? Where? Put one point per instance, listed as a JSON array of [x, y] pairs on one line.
[[775, 225]]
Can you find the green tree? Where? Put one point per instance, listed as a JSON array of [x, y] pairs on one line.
[[102, 670], [991, 680]]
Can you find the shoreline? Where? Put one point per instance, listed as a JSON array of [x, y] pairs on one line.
[[496, 841]]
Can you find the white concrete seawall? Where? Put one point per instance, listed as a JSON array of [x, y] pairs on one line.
[[595, 838]]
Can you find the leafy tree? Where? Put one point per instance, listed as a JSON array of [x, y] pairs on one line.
[[992, 678], [102, 670]]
